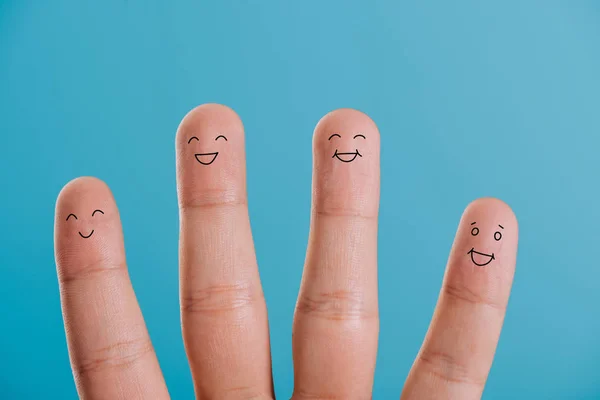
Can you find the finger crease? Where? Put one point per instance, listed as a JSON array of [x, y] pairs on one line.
[[445, 367], [345, 213], [247, 392], [115, 356], [300, 394], [336, 305], [86, 272], [213, 204], [219, 298], [464, 294]]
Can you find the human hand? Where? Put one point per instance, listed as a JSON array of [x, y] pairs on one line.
[[223, 311]]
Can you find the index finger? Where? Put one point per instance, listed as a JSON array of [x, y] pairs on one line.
[[336, 323]]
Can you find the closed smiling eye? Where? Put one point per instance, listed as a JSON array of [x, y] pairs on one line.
[[335, 134], [359, 135], [71, 215], [95, 211], [192, 138], [221, 136]]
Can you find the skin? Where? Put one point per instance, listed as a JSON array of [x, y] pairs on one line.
[[110, 351], [223, 312]]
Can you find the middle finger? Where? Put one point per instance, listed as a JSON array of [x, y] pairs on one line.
[[336, 323], [223, 309]]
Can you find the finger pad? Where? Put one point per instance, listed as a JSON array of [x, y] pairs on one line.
[[87, 225], [211, 165], [346, 164]]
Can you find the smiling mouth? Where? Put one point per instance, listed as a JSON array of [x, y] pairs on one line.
[[206, 158], [482, 257], [346, 157], [85, 237]]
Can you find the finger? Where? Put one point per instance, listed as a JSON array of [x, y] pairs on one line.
[[223, 309], [336, 322], [111, 354], [459, 347]]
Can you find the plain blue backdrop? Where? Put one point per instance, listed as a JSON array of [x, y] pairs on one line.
[[472, 99]]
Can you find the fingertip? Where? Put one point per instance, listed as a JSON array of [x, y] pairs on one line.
[[347, 118], [492, 207], [344, 120], [87, 224], [211, 163], [346, 164], [206, 116], [83, 186], [487, 235], [490, 202]]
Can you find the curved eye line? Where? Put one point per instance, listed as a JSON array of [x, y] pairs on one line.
[[335, 134], [69, 216], [222, 137], [193, 137], [359, 135], [95, 211]]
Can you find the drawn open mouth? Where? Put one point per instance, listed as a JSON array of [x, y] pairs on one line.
[[346, 157], [481, 257], [206, 158], [85, 237]]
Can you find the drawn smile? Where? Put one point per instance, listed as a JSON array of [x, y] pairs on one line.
[[346, 157], [481, 257], [85, 237], [206, 158]]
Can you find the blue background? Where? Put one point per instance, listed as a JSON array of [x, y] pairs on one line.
[[472, 99]]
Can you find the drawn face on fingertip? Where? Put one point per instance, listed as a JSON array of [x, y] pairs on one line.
[[205, 158], [479, 258], [344, 155], [86, 234]]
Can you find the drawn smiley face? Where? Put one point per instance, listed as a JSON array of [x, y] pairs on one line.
[[74, 217], [206, 158], [347, 157], [482, 259]]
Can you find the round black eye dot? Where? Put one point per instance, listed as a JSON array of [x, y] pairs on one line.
[[475, 231], [497, 235]]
